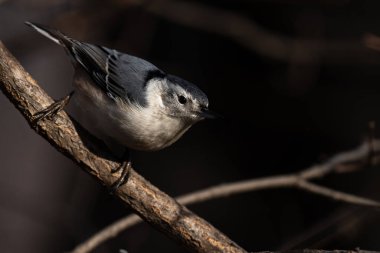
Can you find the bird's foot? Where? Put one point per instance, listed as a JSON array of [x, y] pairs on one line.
[[51, 111], [125, 168]]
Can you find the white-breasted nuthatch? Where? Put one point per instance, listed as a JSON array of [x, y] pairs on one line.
[[126, 101]]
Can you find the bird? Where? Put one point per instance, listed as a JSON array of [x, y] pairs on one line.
[[125, 101]]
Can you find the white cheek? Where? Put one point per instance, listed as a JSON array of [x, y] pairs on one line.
[[153, 93], [155, 99]]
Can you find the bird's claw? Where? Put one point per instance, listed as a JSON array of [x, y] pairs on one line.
[[51, 111], [125, 168]]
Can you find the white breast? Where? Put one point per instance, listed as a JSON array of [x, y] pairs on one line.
[[135, 127], [145, 129]]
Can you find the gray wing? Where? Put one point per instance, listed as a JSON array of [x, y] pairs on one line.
[[117, 74]]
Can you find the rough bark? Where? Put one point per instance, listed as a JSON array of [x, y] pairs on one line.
[[151, 204]]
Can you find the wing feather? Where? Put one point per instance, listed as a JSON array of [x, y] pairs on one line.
[[119, 75]]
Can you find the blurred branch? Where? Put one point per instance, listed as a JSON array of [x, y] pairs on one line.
[[343, 162], [252, 36], [335, 225], [372, 41], [154, 206]]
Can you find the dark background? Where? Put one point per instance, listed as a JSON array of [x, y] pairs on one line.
[[286, 106]]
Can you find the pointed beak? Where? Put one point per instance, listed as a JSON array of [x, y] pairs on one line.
[[207, 114]]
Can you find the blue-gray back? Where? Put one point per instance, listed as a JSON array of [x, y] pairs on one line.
[[117, 74]]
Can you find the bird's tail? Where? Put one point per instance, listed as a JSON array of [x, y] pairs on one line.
[[51, 34]]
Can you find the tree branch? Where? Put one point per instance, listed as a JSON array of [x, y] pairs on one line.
[[152, 205], [340, 163]]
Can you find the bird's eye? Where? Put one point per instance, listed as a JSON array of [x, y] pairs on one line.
[[182, 100]]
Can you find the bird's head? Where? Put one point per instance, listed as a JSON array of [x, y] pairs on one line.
[[178, 98]]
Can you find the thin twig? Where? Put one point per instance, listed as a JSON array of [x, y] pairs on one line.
[[354, 158], [154, 206], [336, 195]]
